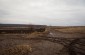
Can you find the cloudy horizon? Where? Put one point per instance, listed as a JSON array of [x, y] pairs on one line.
[[44, 12]]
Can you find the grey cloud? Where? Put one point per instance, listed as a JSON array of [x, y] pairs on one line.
[[76, 2], [3, 13], [54, 12], [70, 2]]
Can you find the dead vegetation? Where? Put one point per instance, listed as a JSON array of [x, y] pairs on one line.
[[21, 45], [17, 50], [38, 34], [72, 30]]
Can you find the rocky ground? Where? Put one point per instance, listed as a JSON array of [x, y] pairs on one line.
[[54, 41]]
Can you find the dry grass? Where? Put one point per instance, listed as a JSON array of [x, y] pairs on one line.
[[17, 50], [16, 45], [72, 30], [37, 34]]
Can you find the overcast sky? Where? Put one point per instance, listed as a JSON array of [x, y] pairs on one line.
[[47, 12]]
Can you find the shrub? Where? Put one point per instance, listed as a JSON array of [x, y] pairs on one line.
[[17, 50]]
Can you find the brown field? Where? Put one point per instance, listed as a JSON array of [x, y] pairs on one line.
[[53, 41]]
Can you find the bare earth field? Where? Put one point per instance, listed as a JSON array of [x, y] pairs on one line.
[[53, 41]]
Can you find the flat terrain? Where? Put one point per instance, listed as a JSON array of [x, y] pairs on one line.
[[53, 41]]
